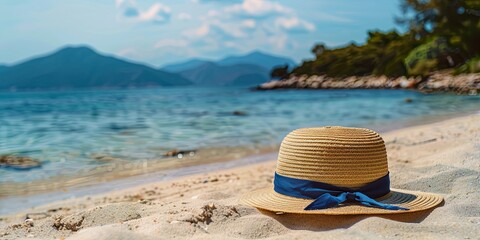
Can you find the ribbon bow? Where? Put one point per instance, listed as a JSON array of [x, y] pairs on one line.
[[327, 195]]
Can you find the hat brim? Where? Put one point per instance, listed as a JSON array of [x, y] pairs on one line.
[[270, 200]]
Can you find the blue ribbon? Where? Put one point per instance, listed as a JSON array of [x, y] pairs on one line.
[[327, 195]]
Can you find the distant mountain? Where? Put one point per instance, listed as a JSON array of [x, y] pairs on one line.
[[257, 58], [82, 67], [247, 70], [212, 74], [190, 64]]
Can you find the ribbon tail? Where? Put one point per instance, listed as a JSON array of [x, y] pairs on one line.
[[326, 200], [367, 201]]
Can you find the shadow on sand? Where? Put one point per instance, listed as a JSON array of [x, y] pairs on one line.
[[316, 222]]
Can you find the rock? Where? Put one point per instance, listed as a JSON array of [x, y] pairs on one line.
[[407, 83], [29, 222], [268, 85], [239, 113], [408, 100], [103, 157], [18, 162], [303, 78], [178, 153], [437, 82], [358, 84]]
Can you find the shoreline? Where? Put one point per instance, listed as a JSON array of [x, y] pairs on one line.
[[438, 82], [170, 170], [439, 157], [23, 202]]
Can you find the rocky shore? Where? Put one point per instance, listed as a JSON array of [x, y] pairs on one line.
[[18, 162], [437, 82]]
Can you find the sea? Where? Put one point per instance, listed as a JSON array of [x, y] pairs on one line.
[[76, 133]]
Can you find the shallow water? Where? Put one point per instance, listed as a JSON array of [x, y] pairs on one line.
[[68, 131]]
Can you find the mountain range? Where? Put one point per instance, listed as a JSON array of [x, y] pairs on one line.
[[212, 74], [247, 70], [3, 67], [82, 67]]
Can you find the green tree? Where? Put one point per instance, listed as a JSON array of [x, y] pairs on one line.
[[279, 72], [383, 54], [441, 34], [318, 49], [456, 20]]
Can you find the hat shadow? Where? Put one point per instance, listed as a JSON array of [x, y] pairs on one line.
[[317, 222]]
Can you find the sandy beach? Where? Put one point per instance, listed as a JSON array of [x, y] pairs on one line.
[[441, 157]]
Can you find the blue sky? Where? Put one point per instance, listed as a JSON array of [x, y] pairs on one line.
[[158, 32]]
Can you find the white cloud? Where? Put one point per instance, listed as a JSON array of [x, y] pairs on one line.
[[216, 29], [119, 3], [201, 31], [240, 27], [257, 8], [156, 13], [212, 13], [184, 16], [294, 24], [249, 23]]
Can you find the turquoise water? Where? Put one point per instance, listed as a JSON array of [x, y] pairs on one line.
[[65, 130]]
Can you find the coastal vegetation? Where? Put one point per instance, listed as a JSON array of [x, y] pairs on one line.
[[440, 35]]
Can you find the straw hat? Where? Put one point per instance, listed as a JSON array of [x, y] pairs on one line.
[[336, 158]]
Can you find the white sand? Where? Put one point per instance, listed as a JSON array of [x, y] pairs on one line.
[[442, 157]]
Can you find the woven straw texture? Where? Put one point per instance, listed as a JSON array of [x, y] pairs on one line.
[[341, 156]]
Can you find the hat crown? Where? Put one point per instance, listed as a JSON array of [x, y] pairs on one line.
[[340, 156]]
